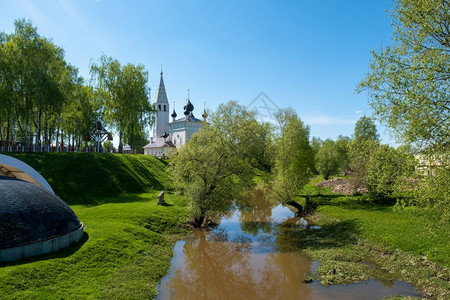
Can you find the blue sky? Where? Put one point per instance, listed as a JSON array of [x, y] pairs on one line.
[[308, 55]]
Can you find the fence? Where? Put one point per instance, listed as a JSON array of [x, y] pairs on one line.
[[37, 149]]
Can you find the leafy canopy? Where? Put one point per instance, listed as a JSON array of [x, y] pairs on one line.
[[409, 82]]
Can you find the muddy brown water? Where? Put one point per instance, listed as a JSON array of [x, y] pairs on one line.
[[253, 254]]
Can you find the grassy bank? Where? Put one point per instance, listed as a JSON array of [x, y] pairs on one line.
[[359, 240], [82, 178], [126, 249], [128, 239]]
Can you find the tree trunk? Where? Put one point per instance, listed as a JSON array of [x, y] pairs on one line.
[[299, 208], [46, 135], [38, 128], [132, 141], [57, 135], [120, 142], [8, 128]]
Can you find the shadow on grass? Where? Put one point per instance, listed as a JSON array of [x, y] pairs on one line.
[[332, 235], [66, 252], [350, 202], [122, 198]]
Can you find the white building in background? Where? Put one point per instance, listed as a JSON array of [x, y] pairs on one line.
[[167, 135]]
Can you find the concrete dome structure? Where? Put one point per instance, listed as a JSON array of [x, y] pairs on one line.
[[33, 221]]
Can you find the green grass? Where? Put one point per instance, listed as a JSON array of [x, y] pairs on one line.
[[128, 239], [360, 240], [410, 230], [126, 249], [82, 178]]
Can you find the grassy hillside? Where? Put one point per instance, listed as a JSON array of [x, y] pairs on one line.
[[84, 177], [128, 239], [126, 249]]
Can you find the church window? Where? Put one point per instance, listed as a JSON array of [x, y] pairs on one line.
[[164, 108], [159, 107]]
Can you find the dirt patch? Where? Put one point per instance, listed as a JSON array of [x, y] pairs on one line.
[[343, 186]]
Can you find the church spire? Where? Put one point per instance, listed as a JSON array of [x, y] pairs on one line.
[[161, 96]]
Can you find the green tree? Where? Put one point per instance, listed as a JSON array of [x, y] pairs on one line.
[[327, 159], [360, 153], [294, 162], [365, 129], [316, 143], [252, 140], [342, 148], [216, 165], [124, 92], [409, 82], [35, 82], [384, 168]]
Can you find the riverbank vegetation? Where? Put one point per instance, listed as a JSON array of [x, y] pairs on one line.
[[358, 239]]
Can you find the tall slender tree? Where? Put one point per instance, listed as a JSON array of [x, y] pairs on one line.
[[124, 94], [294, 163]]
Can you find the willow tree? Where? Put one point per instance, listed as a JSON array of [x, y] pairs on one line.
[[124, 92], [35, 81], [294, 162], [215, 166]]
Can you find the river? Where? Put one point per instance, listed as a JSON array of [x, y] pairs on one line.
[[254, 254]]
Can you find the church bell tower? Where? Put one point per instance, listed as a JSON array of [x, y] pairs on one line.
[[161, 103]]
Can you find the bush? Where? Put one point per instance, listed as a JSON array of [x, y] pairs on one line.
[[383, 169]]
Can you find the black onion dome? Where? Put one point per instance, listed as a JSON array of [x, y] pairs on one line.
[[174, 114], [204, 115], [189, 106], [29, 214]]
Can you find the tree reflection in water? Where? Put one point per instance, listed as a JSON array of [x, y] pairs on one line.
[[255, 260], [254, 254], [216, 267]]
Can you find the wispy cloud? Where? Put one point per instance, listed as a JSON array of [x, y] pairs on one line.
[[73, 14], [37, 16], [358, 112]]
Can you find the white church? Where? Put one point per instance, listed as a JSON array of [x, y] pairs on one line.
[[166, 135]]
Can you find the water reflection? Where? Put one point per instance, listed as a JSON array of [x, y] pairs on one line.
[[253, 254]]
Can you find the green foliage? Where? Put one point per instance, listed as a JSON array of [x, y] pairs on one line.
[[218, 163], [361, 148], [80, 177], [250, 139], [327, 159], [108, 145], [384, 169], [365, 129], [294, 162], [360, 153], [36, 84], [358, 239], [124, 92], [408, 83], [342, 147], [428, 186]]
